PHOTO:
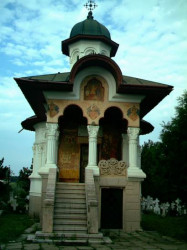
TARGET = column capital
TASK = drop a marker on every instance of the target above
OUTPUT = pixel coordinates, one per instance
(52, 129)
(133, 133)
(93, 130)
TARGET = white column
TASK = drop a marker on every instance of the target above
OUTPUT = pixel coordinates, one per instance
(37, 155)
(133, 170)
(38, 148)
(139, 153)
(35, 178)
(52, 148)
(52, 137)
(92, 153)
(125, 148)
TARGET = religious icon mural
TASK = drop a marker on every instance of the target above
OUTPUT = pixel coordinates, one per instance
(94, 90)
(93, 112)
(53, 109)
(133, 113)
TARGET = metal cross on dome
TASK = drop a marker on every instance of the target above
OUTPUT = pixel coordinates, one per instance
(91, 5)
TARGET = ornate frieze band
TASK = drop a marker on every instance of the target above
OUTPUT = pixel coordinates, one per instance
(112, 167)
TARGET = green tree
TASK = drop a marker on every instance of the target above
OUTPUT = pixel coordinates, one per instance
(23, 179)
(165, 162)
(21, 187)
(174, 140)
(4, 172)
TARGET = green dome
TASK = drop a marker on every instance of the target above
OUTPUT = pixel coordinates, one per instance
(89, 27)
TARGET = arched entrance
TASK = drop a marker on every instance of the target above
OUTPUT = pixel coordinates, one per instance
(112, 126)
(73, 141)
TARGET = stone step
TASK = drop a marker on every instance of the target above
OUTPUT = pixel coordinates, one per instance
(70, 205)
(70, 191)
(70, 201)
(59, 211)
(70, 228)
(70, 222)
(75, 241)
(69, 235)
(70, 216)
(70, 186)
(73, 237)
(70, 196)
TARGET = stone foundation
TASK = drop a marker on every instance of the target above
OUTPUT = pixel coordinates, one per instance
(35, 206)
(131, 206)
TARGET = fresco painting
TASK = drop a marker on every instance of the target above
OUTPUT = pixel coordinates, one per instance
(68, 157)
(93, 112)
(94, 90)
(53, 109)
(133, 113)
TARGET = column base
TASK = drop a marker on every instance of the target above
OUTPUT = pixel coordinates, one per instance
(34, 176)
(45, 170)
(95, 170)
(136, 173)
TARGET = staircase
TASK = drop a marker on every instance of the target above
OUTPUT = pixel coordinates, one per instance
(70, 214)
(70, 218)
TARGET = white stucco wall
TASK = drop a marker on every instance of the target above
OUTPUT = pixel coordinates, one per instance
(75, 95)
(85, 47)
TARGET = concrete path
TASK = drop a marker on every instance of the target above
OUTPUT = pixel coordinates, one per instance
(121, 240)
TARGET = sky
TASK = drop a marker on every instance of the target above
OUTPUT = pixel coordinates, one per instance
(152, 42)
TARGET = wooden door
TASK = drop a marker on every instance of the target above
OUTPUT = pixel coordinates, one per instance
(69, 157)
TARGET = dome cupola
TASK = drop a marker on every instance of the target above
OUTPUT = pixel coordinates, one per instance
(88, 37)
(90, 27)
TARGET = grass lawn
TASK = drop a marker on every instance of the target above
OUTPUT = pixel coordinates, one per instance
(12, 225)
(175, 227)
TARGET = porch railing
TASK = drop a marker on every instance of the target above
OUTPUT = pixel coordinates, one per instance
(48, 206)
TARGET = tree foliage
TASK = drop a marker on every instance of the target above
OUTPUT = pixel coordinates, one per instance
(23, 178)
(5, 174)
(165, 162)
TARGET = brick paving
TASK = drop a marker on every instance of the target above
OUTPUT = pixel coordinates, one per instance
(120, 241)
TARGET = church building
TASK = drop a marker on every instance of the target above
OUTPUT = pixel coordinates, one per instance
(87, 122)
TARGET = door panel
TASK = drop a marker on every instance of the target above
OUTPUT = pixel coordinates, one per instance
(111, 208)
(69, 157)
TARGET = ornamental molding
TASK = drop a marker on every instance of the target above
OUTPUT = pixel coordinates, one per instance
(38, 148)
(112, 167)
